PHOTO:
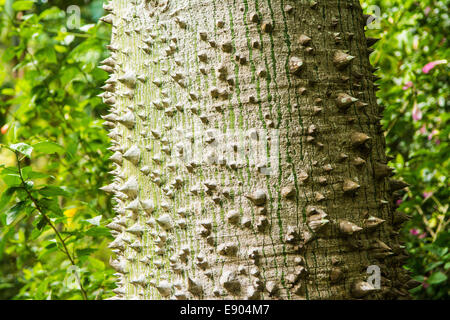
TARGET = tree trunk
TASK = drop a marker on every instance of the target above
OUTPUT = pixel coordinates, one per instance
(250, 159)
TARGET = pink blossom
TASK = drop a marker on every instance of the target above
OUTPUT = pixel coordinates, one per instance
(414, 232)
(427, 194)
(407, 85)
(423, 129)
(399, 202)
(430, 136)
(438, 142)
(425, 285)
(430, 65)
(427, 11)
(422, 235)
(416, 113)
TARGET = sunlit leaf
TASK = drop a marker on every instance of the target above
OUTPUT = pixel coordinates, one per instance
(48, 147)
(23, 148)
(95, 221)
(22, 5)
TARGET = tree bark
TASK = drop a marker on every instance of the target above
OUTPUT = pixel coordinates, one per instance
(250, 162)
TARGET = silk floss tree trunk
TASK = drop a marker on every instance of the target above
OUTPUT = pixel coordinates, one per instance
(249, 158)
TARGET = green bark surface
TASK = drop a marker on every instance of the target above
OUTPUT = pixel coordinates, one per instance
(287, 194)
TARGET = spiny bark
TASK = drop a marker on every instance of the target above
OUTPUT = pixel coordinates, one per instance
(293, 74)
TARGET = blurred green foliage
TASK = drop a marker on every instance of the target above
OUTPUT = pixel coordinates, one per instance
(54, 153)
(414, 89)
(49, 114)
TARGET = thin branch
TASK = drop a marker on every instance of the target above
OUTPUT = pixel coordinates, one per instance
(50, 223)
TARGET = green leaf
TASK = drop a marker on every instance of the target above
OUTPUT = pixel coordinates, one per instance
(419, 278)
(12, 179)
(84, 252)
(6, 197)
(28, 173)
(50, 205)
(8, 92)
(22, 5)
(437, 278)
(416, 289)
(50, 245)
(46, 55)
(47, 251)
(35, 234)
(14, 211)
(38, 175)
(23, 148)
(98, 232)
(49, 191)
(41, 224)
(9, 54)
(433, 265)
(48, 147)
(52, 13)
